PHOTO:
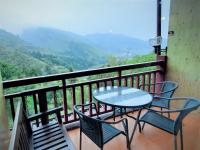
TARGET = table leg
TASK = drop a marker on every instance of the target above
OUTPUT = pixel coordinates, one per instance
(136, 122)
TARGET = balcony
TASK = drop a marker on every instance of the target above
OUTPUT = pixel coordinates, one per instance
(76, 88)
(68, 91)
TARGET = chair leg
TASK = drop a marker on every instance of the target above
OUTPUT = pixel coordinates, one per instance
(168, 112)
(181, 136)
(80, 145)
(143, 126)
(114, 113)
(175, 143)
(140, 129)
(161, 110)
(168, 115)
(135, 125)
(127, 142)
(127, 135)
(121, 112)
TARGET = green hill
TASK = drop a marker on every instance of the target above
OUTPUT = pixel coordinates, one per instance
(72, 49)
(17, 61)
(19, 58)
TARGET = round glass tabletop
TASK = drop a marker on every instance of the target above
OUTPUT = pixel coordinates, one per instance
(122, 96)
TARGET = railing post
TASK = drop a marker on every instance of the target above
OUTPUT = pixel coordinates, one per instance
(159, 7)
(55, 99)
(154, 81)
(143, 81)
(24, 102)
(12, 107)
(74, 100)
(82, 98)
(65, 100)
(161, 76)
(98, 105)
(137, 81)
(90, 98)
(119, 77)
(35, 107)
(132, 81)
(149, 82)
(43, 106)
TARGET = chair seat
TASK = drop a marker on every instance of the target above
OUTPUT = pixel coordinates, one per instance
(160, 103)
(50, 137)
(158, 121)
(109, 132)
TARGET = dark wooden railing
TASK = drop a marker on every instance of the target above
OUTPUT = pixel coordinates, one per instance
(67, 91)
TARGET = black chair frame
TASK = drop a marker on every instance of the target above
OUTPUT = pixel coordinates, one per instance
(152, 117)
(94, 127)
(157, 97)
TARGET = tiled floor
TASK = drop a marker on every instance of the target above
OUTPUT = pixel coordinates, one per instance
(151, 138)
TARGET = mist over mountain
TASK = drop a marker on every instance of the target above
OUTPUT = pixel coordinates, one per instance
(59, 42)
(118, 44)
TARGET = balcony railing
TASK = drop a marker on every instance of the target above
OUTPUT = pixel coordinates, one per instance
(76, 88)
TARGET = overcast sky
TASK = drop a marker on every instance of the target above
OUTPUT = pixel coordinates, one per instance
(136, 18)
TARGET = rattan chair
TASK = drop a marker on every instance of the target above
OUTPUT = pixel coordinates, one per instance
(154, 118)
(161, 89)
(98, 130)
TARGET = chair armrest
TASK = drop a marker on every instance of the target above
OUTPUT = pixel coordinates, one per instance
(86, 107)
(158, 98)
(165, 111)
(48, 112)
(167, 91)
(174, 98)
(150, 84)
(174, 110)
(114, 122)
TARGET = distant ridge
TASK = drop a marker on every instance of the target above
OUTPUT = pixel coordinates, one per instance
(71, 48)
(59, 41)
(119, 44)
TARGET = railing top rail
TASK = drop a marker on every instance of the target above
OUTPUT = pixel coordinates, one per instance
(56, 77)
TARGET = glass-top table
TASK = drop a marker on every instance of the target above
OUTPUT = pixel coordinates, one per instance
(123, 97)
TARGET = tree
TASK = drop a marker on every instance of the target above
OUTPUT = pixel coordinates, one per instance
(8, 71)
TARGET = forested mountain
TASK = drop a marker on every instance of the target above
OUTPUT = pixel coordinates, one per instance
(42, 51)
(72, 49)
(59, 42)
(19, 58)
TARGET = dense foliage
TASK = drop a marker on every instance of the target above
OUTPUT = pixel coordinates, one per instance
(23, 59)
